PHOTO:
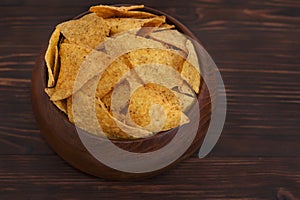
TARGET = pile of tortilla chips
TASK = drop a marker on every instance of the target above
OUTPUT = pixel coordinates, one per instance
(122, 73)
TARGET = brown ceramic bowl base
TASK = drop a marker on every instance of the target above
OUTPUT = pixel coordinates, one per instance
(63, 137)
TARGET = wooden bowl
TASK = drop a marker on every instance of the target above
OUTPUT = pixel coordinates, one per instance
(63, 137)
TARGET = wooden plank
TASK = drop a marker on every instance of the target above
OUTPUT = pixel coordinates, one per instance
(39, 177)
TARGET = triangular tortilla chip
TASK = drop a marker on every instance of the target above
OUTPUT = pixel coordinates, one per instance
(141, 107)
(185, 101)
(118, 25)
(165, 26)
(121, 95)
(124, 43)
(75, 59)
(190, 70)
(159, 74)
(51, 58)
(123, 11)
(156, 56)
(90, 30)
(112, 74)
(192, 56)
(148, 27)
(191, 75)
(171, 37)
(106, 99)
(69, 109)
(61, 105)
(90, 114)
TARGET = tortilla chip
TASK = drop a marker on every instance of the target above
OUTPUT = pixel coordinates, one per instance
(192, 56)
(107, 101)
(81, 109)
(148, 27)
(90, 30)
(114, 72)
(113, 128)
(191, 75)
(49, 91)
(141, 107)
(185, 101)
(155, 21)
(159, 74)
(121, 95)
(190, 70)
(124, 43)
(123, 11)
(171, 37)
(156, 56)
(69, 109)
(91, 115)
(107, 122)
(165, 26)
(51, 58)
(120, 98)
(61, 105)
(74, 58)
(185, 89)
(118, 25)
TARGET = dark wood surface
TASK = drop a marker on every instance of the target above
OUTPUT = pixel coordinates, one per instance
(256, 46)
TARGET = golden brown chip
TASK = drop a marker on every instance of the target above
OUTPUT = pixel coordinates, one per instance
(113, 128)
(90, 114)
(137, 14)
(121, 95)
(190, 70)
(49, 91)
(69, 109)
(171, 37)
(156, 56)
(123, 11)
(61, 105)
(146, 102)
(81, 110)
(148, 27)
(74, 59)
(120, 98)
(165, 26)
(124, 43)
(114, 72)
(185, 101)
(191, 75)
(90, 30)
(159, 74)
(118, 25)
(108, 123)
(107, 101)
(185, 89)
(192, 56)
(51, 58)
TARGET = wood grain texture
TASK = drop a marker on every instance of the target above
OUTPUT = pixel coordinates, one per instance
(211, 178)
(256, 46)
